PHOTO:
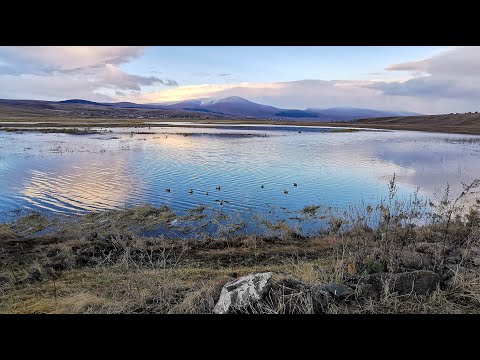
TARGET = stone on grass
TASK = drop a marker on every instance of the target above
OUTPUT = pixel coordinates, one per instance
(418, 282)
(338, 290)
(414, 260)
(242, 292)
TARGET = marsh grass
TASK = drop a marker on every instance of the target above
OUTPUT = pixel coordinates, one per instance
(71, 131)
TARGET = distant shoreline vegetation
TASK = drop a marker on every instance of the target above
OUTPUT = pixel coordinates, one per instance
(89, 131)
(74, 131)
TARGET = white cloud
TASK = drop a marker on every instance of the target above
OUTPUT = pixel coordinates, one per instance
(67, 58)
(55, 73)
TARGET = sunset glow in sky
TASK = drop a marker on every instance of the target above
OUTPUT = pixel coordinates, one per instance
(427, 80)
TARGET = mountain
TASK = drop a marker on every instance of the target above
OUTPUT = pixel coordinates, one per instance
(296, 114)
(237, 106)
(229, 107)
(81, 102)
(351, 113)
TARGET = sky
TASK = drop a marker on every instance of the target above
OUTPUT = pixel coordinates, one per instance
(424, 79)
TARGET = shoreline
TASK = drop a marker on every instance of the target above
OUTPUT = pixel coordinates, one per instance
(142, 123)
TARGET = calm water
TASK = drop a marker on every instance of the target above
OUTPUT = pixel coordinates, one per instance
(74, 174)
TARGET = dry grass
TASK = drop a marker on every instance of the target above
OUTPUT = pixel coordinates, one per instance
(118, 289)
(6, 232)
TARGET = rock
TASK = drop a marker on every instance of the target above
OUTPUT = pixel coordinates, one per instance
(414, 260)
(418, 282)
(290, 286)
(366, 291)
(243, 291)
(430, 248)
(476, 261)
(290, 296)
(294, 297)
(320, 299)
(338, 290)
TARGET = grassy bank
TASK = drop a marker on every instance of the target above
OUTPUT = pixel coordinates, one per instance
(468, 124)
(101, 262)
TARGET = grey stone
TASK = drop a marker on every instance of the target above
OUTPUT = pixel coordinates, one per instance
(290, 286)
(243, 291)
(292, 296)
(414, 260)
(418, 282)
(320, 298)
(430, 248)
(366, 291)
(338, 290)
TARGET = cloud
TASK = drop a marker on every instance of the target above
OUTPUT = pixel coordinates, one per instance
(309, 94)
(453, 74)
(36, 59)
(444, 83)
(52, 72)
(113, 76)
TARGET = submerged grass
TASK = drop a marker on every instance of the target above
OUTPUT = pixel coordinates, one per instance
(71, 131)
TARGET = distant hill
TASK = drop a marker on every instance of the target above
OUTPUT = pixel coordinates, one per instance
(79, 111)
(468, 123)
(81, 102)
(83, 109)
(230, 107)
(235, 105)
(296, 114)
(350, 113)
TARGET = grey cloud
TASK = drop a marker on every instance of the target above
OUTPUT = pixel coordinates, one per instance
(409, 66)
(422, 86)
(113, 76)
(42, 71)
(453, 74)
(457, 62)
(169, 82)
(224, 74)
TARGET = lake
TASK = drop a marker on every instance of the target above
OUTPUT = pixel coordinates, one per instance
(255, 167)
